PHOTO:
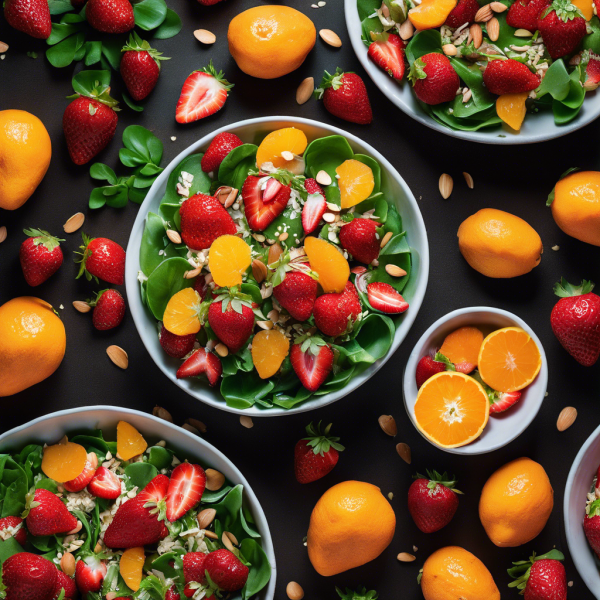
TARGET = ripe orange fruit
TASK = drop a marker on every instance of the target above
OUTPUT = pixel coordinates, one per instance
(356, 182)
(516, 503)
(509, 360)
(32, 343)
(130, 567)
(64, 461)
(182, 313)
(462, 348)
(452, 409)
(329, 263)
(430, 13)
(351, 524)
(511, 109)
(130, 442)
(453, 573)
(269, 349)
(229, 256)
(287, 139)
(270, 41)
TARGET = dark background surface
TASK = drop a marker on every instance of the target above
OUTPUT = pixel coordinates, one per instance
(516, 179)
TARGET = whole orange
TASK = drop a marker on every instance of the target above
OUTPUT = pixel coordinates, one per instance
(270, 41)
(32, 343)
(351, 524)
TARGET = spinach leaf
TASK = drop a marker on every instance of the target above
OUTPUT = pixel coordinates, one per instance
(423, 43)
(592, 40)
(154, 240)
(380, 206)
(373, 340)
(9, 548)
(473, 78)
(164, 282)
(210, 497)
(237, 164)
(286, 401)
(160, 457)
(401, 260)
(290, 221)
(170, 27)
(370, 25)
(13, 487)
(556, 82)
(244, 389)
(337, 382)
(327, 153)
(149, 14)
(140, 474)
(260, 568)
(366, 8)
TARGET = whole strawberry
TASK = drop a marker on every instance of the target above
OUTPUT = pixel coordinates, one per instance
(317, 454)
(575, 321)
(47, 514)
(432, 501)
(13, 527)
(109, 309)
(110, 16)
(464, 12)
(591, 525)
(193, 567)
(227, 573)
(562, 27)
(434, 79)
(335, 314)
(297, 294)
(525, 14)
(176, 346)
(359, 238)
(427, 367)
(40, 256)
(172, 593)
(312, 360)
(28, 576)
(218, 149)
(203, 220)
(345, 96)
(102, 259)
(64, 582)
(540, 577)
(231, 317)
(29, 16)
(509, 77)
(140, 67)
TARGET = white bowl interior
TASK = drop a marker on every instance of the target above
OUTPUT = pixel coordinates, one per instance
(508, 426)
(53, 427)
(253, 130)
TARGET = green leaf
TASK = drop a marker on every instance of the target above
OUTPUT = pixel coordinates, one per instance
(327, 153)
(164, 282)
(423, 43)
(556, 81)
(244, 389)
(62, 54)
(170, 27)
(373, 340)
(235, 167)
(592, 40)
(111, 50)
(149, 14)
(160, 457)
(131, 103)
(366, 8)
(140, 474)
(85, 81)
(103, 173)
(118, 200)
(60, 31)
(143, 144)
(9, 548)
(259, 570)
(473, 78)
(402, 260)
(154, 240)
(93, 53)
(58, 7)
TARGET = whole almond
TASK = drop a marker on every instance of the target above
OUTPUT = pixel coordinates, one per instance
(523, 33)
(81, 306)
(211, 535)
(231, 198)
(193, 273)
(3, 233)
(394, 271)
(204, 36)
(3, 47)
(118, 356)
(446, 184)
(476, 34)
(199, 425)
(294, 591)
(386, 238)
(305, 90)
(174, 236)
(469, 180)
(206, 517)
(67, 564)
(493, 29)
(450, 49)
(265, 324)
(275, 251)
(74, 223)
(498, 7)
(284, 236)
(222, 350)
(406, 557)
(246, 422)
(214, 480)
(331, 38)
(566, 418)
(406, 30)
(388, 424)
(162, 413)
(484, 14)
(404, 452)
(190, 428)
(259, 270)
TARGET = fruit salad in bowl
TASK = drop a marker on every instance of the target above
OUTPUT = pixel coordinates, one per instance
(278, 267)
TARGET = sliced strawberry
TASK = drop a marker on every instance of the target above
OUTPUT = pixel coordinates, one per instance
(105, 484)
(313, 211)
(271, 190)
(201, 362)
(258, 213)
(89, 574)
(312, 365)
(156, 490)
(504, 402)
(312, 187)
(592, 72)
(389, 55)
(13, 527)
(79, 483)
(465, 367)
(383, 297)
(186, 487)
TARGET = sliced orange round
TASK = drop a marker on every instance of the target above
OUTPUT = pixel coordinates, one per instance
(130, 442)
(288, 139)
(269, 349)
(452, 409)
(181, 315)
(229, 256)
(356, 182)
(462, 348)
(130, 567)
(64, 461)
(509, 360)
(329, 263)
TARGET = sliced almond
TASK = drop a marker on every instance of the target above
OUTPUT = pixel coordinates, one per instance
(214, 480)
(211, 535)
(259, 237)
(231, 198)
(265, 324)
(522, 33)
(287, 155)
(259, 270)
(323, 178)
(275, 251)
(498, 7)
(174, 236)
(67, 564)
(328, 217)
(222, 193)
(395, 271)
(331, 38)
(388, 424)
(222, 350)
(3, 47)
(193, 273)
(199, 425)
(229, 541)
(246, 422)
(284, 236)
(204, 36)
(162, 413)
(118, 356)
(484, 14)
(386, 238)
(206, 517)
(273, 315)
(406, 557)
(446, 184)
(450, 49)
(566, 418)
(476, 34)
(469, 180)
(406, 30)
(82, 307)
(404, 452)
(305, 90)
(74, 223)
(3, 233)
(493, 29)
(294, 591)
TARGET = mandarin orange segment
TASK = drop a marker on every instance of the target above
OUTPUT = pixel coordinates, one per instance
(452, 409)
(329, 263)
(586, 7)
(288, 139)
(356, 182)
(511, 109)
(431, 13)
(228, 257)
(130, 567)
(462, 348)
(64, 461)
(130, 442)
(509, 360)
(181, 314)
(269, 349)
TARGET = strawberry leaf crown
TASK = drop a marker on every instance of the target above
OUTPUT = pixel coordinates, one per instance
(310, 343)
(237, 299)
(43, 238)
(565, 10)
(492, 394)
(417, 71)
(85, 254)
(335, 81)
(285, 263)
(360, 594)
(594, 509)
(436, 479)
(94, 301)
(137, 44)
(322, 442)
(95, 85)
(219, 76)
(285, 177)
(439, 357)
(522, 569)
(564, 289)
(30, 503)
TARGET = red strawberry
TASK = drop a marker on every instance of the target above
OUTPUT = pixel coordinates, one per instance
(176, 346)
(463, 12)
(592, 71)
(15, 527)
(110, 16)
(201, 362)
(575, 321)
(259, 212)
(203, 220)
(345, 96)
(203, 94)
(432, 501)
(562, 27)
(28, 577)
(541, 577)
(226, 571)
(591, 526)
(297, 294)
(102, 259)
(186, 487)
(82, 481)
(525, 14)
(50, 516)
(314, 207)
(383, 297)
(434, 79)
(172, 593)
(105, 484)
(109, 309)
(427, 367)
(40, 256)
(312, 187)
(388, 53)
(193, 567)
(208, 2)
(336, 313)
(219, 148)
(64, 582)
(312, 361)
(317, 454)
(233, 326)
(504, 402)
(137, 524)
(90, 573)
(29, 16)
(359, 238)
(140, 67)
(509, 77)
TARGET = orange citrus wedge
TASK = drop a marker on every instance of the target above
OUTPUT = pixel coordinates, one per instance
(356, 182)
(462, 348)
(130, 441)
(511, 109)
(288, 139)
(64, 461)
(269, 349)
(130, 567)
(329, 263)
(229, 256)
(181, 315)
(431, 13)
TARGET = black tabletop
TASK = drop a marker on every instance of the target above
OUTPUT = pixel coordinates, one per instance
(513, 178)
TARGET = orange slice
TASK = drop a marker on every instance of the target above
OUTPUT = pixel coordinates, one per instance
(181, 315)
(452, 409)
(228, 257)
(462, 348)
(64, 461)
(509, 360)
(130, 442)
(130, 567)
(326, 260)
(356, 182)
(511, 109)
(586, 7)
(269, 349)
(288, 139)
(431, 13)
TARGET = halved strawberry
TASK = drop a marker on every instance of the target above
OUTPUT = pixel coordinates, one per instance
(427, 367)
(312, 187)
(89, 574)
(259, 213)
(387, 52)
(592, 72)
(201, 362)
(504, 402)
(271, 190)
(186, 487)
(204, 92)
(313, 210)
(105, 484)
(465, 367)
(312, 361)
(383, 297)
(80, 482)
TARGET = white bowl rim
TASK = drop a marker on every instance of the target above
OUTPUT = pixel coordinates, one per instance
(415, 356)
(132, 262)
(257, 510)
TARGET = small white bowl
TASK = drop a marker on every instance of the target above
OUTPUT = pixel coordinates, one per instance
(53, 427)
(506, 427)
(578, 485)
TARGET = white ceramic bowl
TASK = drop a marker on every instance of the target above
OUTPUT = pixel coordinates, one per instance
(536, 128)
(502, 429)
(53, 427)
(578, 485)
(249, 131)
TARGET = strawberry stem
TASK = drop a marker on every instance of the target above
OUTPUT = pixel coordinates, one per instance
(564, 289)
(43, 238)
(334, 81)
(321, 442)
(522, 569)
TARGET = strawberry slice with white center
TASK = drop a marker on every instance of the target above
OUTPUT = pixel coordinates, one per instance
(89, 574)
(105, 484)
(312, 361)
(258, 212)
(201, 362)
(312, 212)
(271, 190)
(80, 482)
(186, 487)
(388, 53)
(204, 92)
(383, 297)
(504, 402)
